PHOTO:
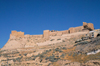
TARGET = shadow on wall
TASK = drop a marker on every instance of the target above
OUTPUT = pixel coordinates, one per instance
(98, 35)
(86, 27)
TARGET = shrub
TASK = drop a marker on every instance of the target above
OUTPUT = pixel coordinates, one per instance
(44, 52)
(19, 54)
(63, 40)
(15, 52)
(57, 49)
(64, 48)
(28, 40)
(41, 56)
(9, 64)
(38, 55)
(69, 54)
(52, 58)
(59, 39)
(3, 60)
(25, 54)
(74, 54)
(53, 51)
(51, 39)
(14, 60)
(49, 64)
(28, 58)
(81, 43)
(34, 58)
(57, 56)
(62, 55)
(49, 49)
(40, 60)
(18, 59)
(20, 37)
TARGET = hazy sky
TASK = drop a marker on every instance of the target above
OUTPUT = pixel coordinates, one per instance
(34, 16)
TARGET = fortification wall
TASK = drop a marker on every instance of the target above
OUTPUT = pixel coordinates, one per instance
(86, 26)
(19, 40)
(76, 29)
(34, 36)
(47, 33)
(15, 34)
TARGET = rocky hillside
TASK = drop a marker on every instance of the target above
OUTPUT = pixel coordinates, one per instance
(84, 53)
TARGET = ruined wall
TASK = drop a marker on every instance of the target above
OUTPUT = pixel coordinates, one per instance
(59, 33)
(19, 40)
(88, 26)
(34, 36)
(15, 34)
(53, 33)
(65, 32)
(76, 29)
(47, 33)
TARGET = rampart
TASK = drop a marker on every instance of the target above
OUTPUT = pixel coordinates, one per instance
(15, 34)
(19, 40)
(48, 33)
(86, 26)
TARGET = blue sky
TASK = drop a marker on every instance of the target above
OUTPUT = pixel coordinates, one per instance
(34, 16)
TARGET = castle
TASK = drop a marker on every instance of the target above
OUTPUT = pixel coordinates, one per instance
(19, 40)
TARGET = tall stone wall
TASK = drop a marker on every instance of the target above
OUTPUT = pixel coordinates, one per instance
(47, 33)
(76, 29)
(15, 34)
(53, 33)
(19, 40)
(86, 26)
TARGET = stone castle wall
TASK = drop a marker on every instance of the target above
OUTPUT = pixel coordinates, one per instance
(19, 40)
(15, 34)
(86, 26)
(48, 33)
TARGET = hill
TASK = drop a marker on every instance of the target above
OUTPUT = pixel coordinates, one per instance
(77, 46)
